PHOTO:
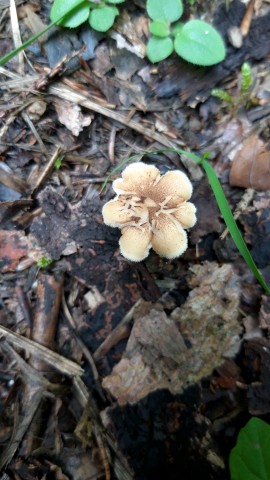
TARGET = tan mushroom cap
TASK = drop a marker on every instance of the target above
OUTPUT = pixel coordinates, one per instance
(152, 211)
(135, 243)
(175, 184)
(186, 214)
(137, 179)
(169, 239)
(116, 215)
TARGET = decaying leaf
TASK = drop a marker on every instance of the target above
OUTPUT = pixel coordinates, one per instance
(71, 116)
(173, 352)
(251, 166)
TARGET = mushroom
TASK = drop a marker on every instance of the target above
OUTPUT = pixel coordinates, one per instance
(152, 211)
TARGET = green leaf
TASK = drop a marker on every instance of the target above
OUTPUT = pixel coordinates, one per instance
(159, 48)
(199, 43)
(250, 459)
(177, 29)
(115, 1)
(102, 19)
(164, 10)
(77, 16)
(160, 29)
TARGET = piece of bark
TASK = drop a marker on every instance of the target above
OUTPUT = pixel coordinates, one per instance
(175, 352)
(49, 294)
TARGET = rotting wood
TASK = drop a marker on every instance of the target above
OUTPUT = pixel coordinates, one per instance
(118, 333)
(49, 293)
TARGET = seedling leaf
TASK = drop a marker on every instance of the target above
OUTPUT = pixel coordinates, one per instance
(177, 28)
(159, 48)
(44, 262)
(222, 95)
(77, 16)
(246, 77)
(115, 1)
(199, 43)
(164, 10)
(160, 29)
(102, 19)
(249, 459)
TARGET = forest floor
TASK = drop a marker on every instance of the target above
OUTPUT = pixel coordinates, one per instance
(109, 368)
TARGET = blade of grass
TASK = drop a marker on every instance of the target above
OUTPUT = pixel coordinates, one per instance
(26, 44)
(220, 199)
(231, 223)
(13, 53)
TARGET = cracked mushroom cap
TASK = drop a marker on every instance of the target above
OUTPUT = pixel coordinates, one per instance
(152, 211)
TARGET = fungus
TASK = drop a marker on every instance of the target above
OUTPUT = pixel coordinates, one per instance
(152, 211)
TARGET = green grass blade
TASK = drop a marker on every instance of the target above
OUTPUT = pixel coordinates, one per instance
(31, 40)
(26, 44)
(231, 223)
(220, 199)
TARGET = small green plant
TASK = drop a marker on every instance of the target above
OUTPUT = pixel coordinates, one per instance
(44, 262)
(58, 162)
(243, 96)
(101, 15)
(195, 41)
(250, 459)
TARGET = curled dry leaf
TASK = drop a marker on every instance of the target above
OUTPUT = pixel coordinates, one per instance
(71, 116)
(251, 166)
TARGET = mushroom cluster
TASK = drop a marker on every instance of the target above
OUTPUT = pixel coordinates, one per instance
(152, 211)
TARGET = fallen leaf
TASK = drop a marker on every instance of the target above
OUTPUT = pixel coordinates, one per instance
(71, 116)
(251, 166)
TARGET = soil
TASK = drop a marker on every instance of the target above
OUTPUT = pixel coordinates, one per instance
(111, 368)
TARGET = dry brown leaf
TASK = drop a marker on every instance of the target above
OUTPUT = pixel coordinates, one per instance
(71, 116)
(251, 166)
(174, 352)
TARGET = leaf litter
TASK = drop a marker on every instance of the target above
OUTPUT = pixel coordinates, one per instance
(175, 353)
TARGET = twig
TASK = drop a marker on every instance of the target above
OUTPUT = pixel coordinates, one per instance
(62, 364)
(85, 350)
(47, 171)
(119, 332)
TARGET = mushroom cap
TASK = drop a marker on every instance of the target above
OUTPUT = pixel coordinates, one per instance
(185, 214)
(135, 243)
(137, 178)
(115, 213)
(174, 184)
(152, 211)
(169, 239)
